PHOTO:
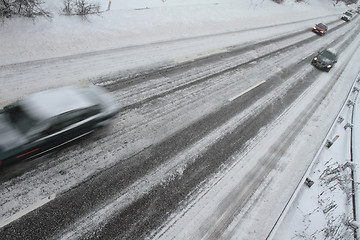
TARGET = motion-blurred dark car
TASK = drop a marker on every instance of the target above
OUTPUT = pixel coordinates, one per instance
(325, 60)
(347, 16)
(46, 120)
(320, 29)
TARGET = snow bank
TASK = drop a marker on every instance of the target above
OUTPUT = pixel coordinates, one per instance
(139, 22)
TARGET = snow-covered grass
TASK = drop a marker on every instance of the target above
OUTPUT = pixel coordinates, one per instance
(125, 25)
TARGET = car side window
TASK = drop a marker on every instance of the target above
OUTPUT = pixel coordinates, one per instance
(67, 119)
(19, 119)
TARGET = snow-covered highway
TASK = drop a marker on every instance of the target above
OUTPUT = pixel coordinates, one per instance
(210, 143)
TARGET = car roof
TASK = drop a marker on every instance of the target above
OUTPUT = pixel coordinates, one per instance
(50, 103)
(329, 53)
(331, 50)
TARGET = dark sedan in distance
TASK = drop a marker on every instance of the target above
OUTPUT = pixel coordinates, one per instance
(347, 16)
(46, 120)
(320, 29)
(325, 60)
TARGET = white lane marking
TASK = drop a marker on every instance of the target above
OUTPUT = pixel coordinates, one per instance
(247, 90)
(27, 210)
(200, 55)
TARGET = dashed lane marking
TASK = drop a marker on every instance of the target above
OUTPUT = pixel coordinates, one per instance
(27, 210)
(247, 90)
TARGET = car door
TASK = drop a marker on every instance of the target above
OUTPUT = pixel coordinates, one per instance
(67, 127)
(58, 131)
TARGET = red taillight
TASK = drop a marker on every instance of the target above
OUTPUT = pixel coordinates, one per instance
(27, 153)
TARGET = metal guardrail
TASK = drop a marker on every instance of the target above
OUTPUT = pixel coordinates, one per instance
(355, 159)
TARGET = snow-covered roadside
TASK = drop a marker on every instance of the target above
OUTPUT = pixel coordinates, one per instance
(123, 26)
(323, 208)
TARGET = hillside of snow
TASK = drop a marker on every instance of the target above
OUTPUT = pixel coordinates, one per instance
(137, 22)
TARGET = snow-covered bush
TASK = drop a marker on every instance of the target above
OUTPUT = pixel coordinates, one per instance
(26, 8)
(80, 7)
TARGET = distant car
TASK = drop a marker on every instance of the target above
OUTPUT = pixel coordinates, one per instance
(347, 16)
(325, 60)
(320, 29)
(46, 120)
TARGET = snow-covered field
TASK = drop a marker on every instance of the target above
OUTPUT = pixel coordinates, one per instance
(131, 23)
(137, 30)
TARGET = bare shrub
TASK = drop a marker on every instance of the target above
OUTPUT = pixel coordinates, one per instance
(80, 7)
(68, 7)
(26, 8)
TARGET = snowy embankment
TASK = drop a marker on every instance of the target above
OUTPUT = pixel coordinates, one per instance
(323, 205)
(143, 22)
(326, 203)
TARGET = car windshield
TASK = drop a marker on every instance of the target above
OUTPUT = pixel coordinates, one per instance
(19, 119)
(329, 55)
(348, 14)
(322, 26)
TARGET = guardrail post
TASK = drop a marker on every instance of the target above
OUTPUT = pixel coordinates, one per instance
(329, 143)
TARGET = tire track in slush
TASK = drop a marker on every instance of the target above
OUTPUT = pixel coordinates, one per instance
(138, 104)
(177, 187)
(194, 173)
(163, 199)
(86, 198)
